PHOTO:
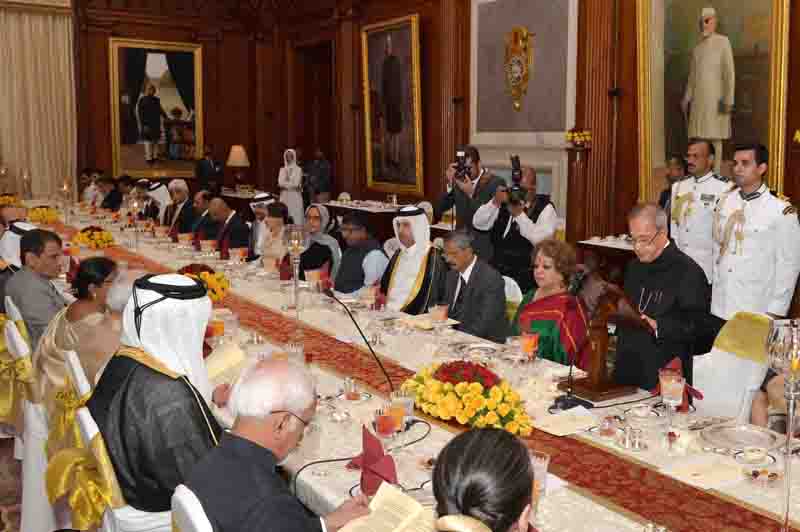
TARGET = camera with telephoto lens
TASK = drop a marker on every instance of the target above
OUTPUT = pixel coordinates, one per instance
(517, 195)
(516, 169)
(462, 170)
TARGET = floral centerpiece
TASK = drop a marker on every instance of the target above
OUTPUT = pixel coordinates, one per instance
(471, 394)
(93, 237)
(216, 283)
(43, 215)
(9, 199)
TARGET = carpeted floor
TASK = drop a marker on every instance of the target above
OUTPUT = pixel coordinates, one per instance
(10, 487)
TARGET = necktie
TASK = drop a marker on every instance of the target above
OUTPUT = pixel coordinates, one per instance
(455, 309)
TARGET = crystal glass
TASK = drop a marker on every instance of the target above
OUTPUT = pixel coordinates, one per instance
(295, 238)
(529, 342)
(350, 389)
(385, 426)
(540, 462)
(672, 386)
(783, 349)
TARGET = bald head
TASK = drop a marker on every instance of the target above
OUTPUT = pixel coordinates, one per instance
(219, 210)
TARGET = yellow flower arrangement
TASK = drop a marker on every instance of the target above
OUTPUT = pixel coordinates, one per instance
(579, 136)
(477, 398)
(93, 238)
(8, 199)
(216, 284)
(43, 215)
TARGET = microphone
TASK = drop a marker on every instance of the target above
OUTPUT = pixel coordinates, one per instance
(569, 401)
(328, 292)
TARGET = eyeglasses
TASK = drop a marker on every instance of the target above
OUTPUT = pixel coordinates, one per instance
(303, 421)
(643, 243)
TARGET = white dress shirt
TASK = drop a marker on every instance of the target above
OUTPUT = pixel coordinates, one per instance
(545, 227)
(405, 274)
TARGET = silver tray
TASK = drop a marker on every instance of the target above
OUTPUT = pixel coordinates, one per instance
(738, 437)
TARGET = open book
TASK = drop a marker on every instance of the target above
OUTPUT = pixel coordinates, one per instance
(393, 511)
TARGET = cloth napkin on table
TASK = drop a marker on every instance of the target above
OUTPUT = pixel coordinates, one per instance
(375, 465)
(677, 365)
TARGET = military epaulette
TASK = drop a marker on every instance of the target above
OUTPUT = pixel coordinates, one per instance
(791, 209)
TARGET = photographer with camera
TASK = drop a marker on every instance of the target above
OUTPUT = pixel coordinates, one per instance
(517, 219)
(470, 185)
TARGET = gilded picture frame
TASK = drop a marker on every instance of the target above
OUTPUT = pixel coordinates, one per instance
(650, 16)
(185, 136)
(390, 53)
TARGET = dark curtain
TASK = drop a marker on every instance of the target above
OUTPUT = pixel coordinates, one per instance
(136, 63)
(181, 66)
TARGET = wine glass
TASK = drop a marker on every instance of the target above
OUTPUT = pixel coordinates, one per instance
(295, 239)
(672, 386)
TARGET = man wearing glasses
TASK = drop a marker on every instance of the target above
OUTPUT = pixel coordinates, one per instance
(671, 295)
(238, 483)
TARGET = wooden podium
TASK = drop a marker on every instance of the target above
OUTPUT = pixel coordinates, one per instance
(606, 303)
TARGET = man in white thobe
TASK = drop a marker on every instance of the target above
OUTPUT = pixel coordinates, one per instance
(693, 202)
(711, 85)
(757, 243)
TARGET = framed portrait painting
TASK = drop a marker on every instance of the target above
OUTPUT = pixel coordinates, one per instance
(711, 70)
(156, 107)
(392, 121)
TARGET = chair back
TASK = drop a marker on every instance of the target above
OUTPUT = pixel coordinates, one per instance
(15, 342)
(391, 246)
(734, 368)
(344, 196)
(187, 512)
(513, 297)
(12, 311)
(79, 380)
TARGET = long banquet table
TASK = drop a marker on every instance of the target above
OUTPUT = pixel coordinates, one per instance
(597, 486)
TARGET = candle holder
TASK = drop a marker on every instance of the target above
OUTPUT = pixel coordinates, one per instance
(26, 185)
(295, 240)
(783, 347)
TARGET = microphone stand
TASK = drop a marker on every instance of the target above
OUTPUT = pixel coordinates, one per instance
(328, 292)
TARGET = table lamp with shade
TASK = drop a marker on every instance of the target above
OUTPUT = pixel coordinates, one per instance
(237, 158)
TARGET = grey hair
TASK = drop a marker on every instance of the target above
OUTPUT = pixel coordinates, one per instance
(178, 184)
(652, 212)
(121, 289)
(460, 238)
(279, 385)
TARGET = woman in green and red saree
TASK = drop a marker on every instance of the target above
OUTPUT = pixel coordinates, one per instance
(551, 311)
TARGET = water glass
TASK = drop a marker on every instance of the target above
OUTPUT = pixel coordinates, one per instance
(350, 389)
(385, 426)
(540, 462)
(672, 385)
(530, 344)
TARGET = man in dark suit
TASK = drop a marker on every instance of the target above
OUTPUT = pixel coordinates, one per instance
(467, 193)
(474, 291)
(233, 233)
(205, 228)
(180, 214)
(237, 482)
(208, 171)
(112, 197)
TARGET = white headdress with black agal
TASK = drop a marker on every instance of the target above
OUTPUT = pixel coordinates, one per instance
(262, 200)
(9, 243)
(420, 226)
(166, 316)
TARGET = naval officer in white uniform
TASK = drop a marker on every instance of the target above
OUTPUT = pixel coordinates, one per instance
(757, 243)
(692, 206)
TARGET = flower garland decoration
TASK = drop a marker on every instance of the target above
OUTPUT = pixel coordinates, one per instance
(43, 215)
(579, 137)
(216, 283)
(93, 237)
(471, 394)
(8, 199)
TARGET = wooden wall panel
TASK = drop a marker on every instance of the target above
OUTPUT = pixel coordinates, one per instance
(792, 172)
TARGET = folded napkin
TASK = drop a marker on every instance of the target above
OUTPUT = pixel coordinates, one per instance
(677, 365)
(375, 465)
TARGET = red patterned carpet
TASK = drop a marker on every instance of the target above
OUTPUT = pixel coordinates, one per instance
(10, 487)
